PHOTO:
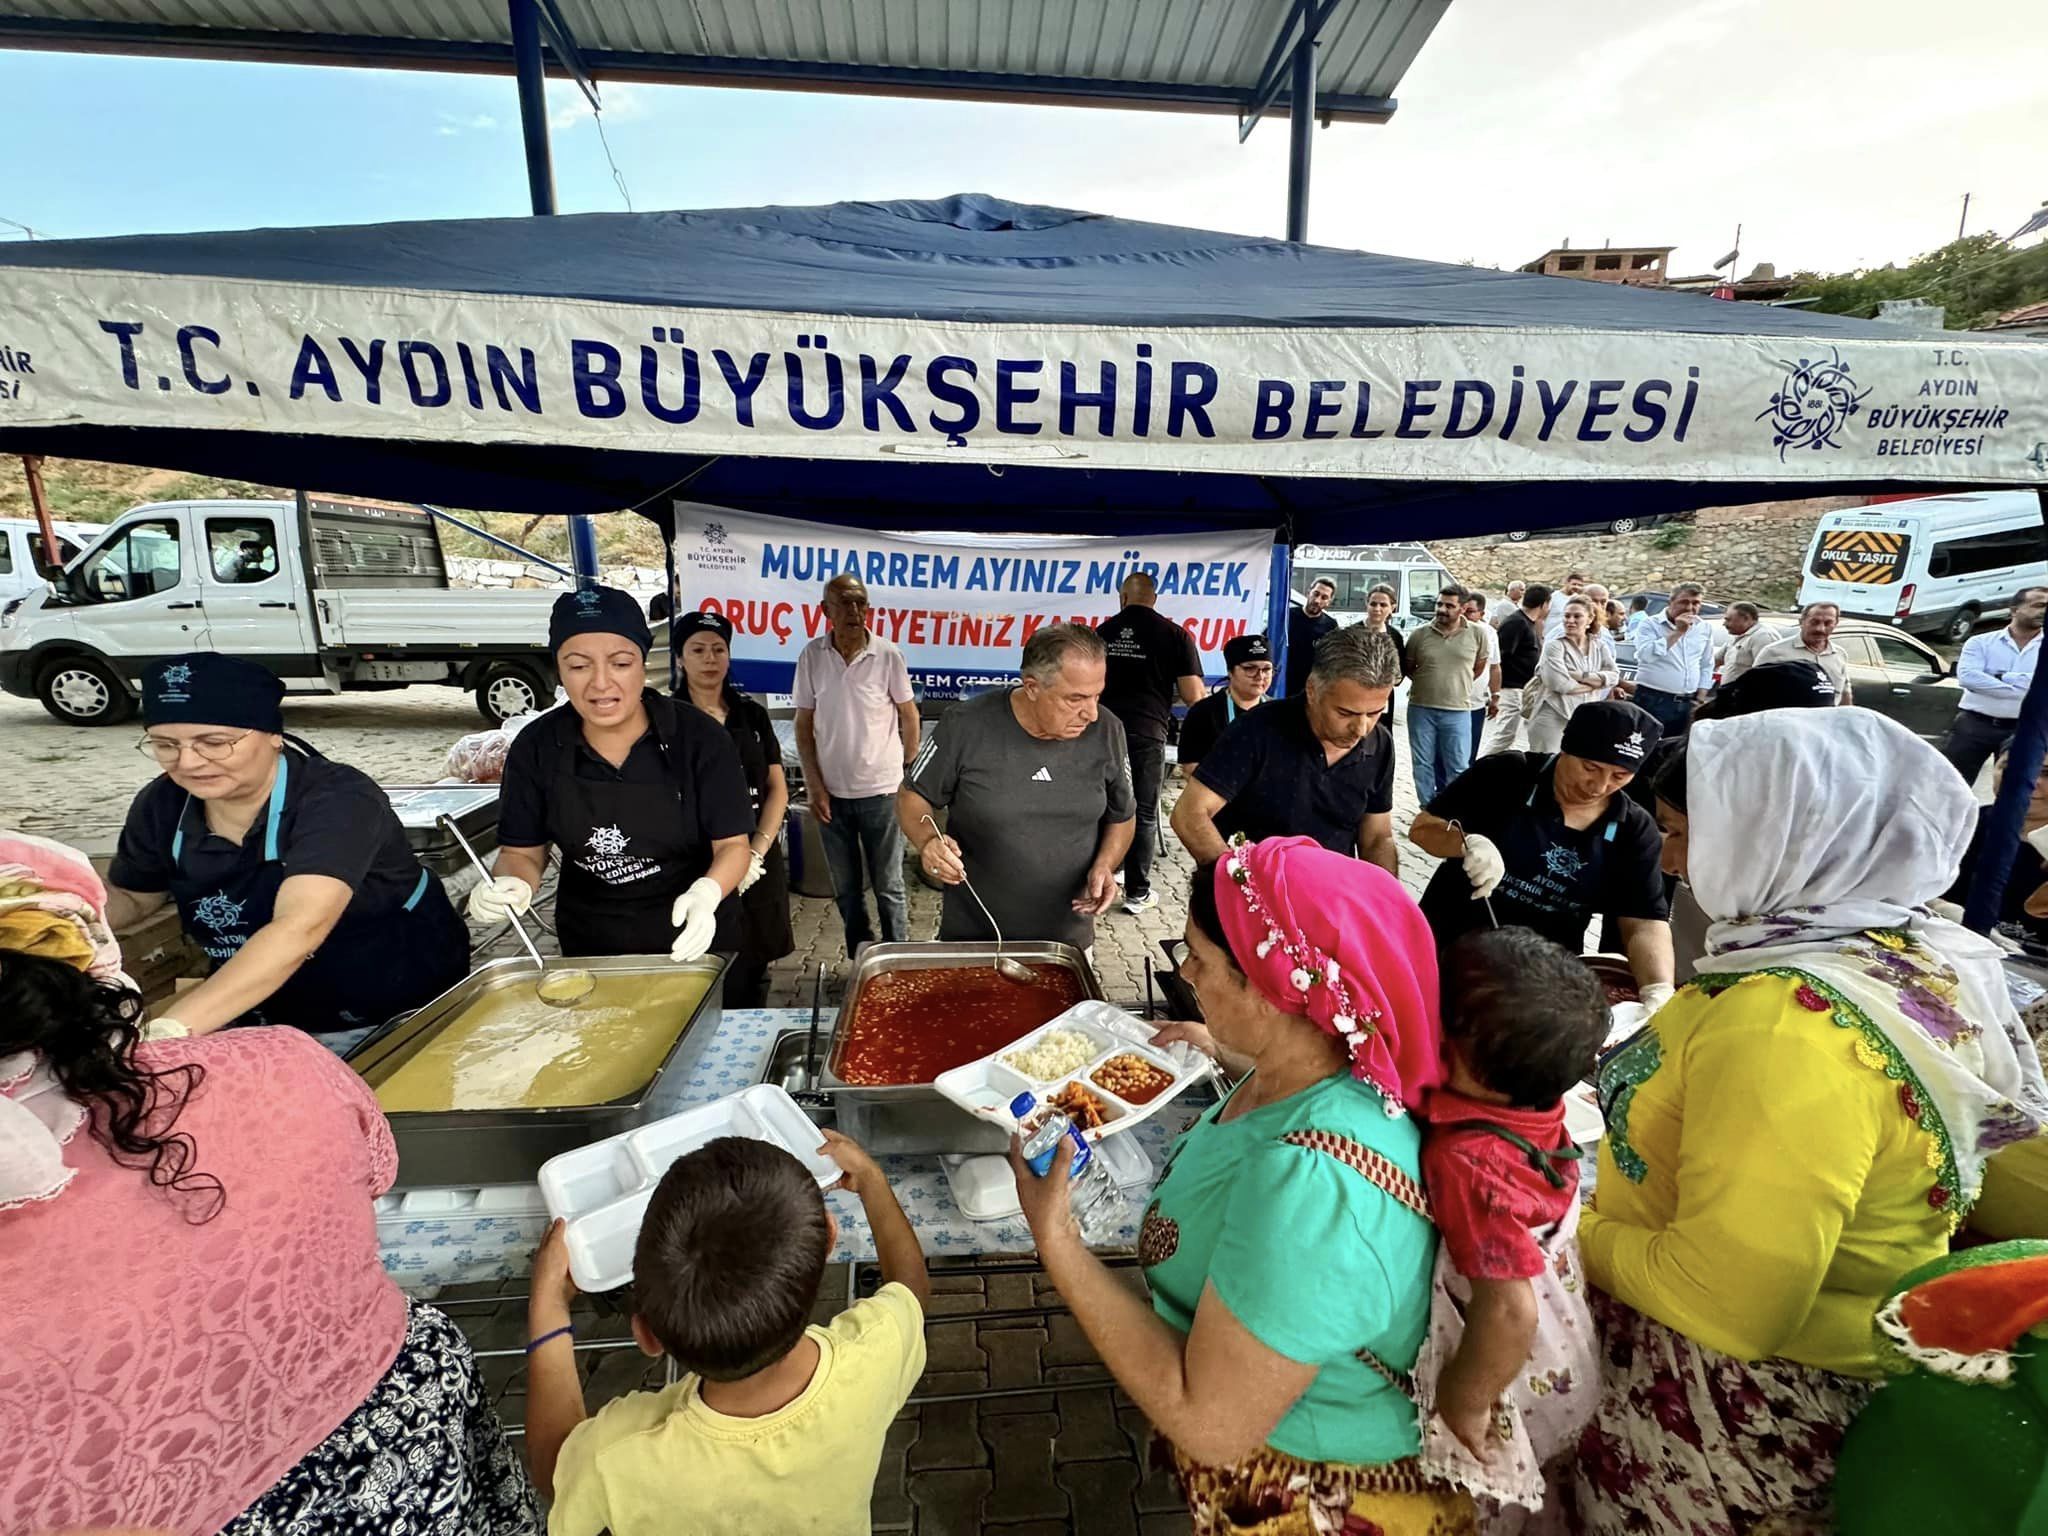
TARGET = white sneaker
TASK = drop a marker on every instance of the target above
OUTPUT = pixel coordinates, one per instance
(1144, 903)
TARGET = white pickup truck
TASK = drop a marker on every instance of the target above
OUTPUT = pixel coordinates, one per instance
(329, 593)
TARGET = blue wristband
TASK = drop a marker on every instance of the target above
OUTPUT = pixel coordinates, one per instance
(536, 1344)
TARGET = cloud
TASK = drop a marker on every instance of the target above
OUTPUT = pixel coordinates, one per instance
(622, 103)
(453, 125)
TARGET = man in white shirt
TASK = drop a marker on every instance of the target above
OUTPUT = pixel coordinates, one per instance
(1512, 603)
(1486, 684)
(1574, 585)
(1675, 661)
(1638, 626)
(1748, 636)
(1995, 670)
(1814, 642)
(856, 727)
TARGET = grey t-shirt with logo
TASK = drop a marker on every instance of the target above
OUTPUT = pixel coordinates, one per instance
(1028, 815)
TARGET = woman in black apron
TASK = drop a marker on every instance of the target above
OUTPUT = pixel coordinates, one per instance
(645, 800)
(291, 872)
(703, 647)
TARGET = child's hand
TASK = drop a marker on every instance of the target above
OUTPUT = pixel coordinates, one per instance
(553, 1291)
(860, 1172)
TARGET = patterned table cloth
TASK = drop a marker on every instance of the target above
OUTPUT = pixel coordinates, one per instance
(436, 1237)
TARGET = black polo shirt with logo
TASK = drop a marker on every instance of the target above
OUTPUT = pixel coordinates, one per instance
(1275, 780)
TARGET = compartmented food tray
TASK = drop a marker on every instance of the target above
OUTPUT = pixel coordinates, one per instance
(419, 807)
(471, 1147)
(602, 1190)
(1095, 1062)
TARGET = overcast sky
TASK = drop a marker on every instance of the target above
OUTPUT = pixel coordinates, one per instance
(1837, 132)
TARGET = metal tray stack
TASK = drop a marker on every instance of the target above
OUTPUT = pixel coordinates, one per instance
(471, 1147)
(473, 807)
(915, 1117)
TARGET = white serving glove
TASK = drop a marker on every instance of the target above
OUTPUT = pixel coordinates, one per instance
(757, 866)
(500, 898)
(1484, 866)
(1655, 996)
(695, 915)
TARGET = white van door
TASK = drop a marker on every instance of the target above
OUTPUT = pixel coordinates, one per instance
(17, 574)
(252, 607)
(1974, 572)
(141, 592)
(1862, 561)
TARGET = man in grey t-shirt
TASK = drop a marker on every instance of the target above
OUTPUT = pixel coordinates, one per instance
(1039, 791)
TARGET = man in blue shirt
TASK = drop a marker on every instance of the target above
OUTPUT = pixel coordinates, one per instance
(1995, 671)
(1675, 660)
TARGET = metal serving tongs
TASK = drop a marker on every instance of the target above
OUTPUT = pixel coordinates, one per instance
(1008, 969)
(561, 988)
(1455, 827)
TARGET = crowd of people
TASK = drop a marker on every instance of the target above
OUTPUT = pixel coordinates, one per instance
(1378, 1296)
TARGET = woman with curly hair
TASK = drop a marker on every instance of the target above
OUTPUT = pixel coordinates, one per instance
(195, 1332)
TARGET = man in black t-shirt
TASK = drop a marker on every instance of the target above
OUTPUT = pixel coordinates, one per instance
(1307, 623)
(1250, 663)
(1549, 842)
(1320, 766)
(1521, 648)
(1151, 660)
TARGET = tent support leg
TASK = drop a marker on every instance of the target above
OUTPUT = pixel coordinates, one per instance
(2000, 841)
(1301, 121)
(531, 73)
(1278, 598)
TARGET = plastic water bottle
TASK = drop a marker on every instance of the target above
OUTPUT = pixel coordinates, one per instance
(1099, 1206)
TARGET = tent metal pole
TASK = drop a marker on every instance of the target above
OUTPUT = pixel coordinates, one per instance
(1301, 122)
(1278, 598)
(1999, 841)
(531, 73)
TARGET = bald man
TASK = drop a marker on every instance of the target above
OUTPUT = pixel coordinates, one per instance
(856, 729)
(1151, 659)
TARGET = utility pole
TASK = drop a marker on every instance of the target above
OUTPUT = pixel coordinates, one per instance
(1965, 218)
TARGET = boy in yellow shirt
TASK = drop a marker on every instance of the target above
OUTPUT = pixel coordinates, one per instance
(777, 1426)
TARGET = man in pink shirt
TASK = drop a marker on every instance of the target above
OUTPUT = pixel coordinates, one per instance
(856, 727)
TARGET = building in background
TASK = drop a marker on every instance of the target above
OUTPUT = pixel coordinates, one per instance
(1638, 265)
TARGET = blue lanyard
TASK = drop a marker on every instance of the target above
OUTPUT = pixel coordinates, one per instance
(277, 789)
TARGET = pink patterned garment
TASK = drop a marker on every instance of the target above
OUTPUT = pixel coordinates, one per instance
(163, 1374)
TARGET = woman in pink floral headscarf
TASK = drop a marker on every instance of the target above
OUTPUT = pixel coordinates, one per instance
(1288, 1246)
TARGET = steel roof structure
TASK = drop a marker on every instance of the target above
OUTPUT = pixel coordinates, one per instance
(1177, 55)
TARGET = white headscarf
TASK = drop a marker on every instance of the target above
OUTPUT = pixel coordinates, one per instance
(1817, 838)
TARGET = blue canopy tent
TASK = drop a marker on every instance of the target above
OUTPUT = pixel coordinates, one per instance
(970, 363)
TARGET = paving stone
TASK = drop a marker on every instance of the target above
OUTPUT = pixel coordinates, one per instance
(1010, 1292)
(954, 1304)
(1166, 1525)
(1065, 1343)
(1014, 1356)
(1100, 1492)
(891, 1507)
(1097, 1374)
(952, 1347)
(946, 1439)
(1089, 1430)
(614, 1373)
(1035, 1528)
(949, 1503)
(1021, 1446)
(943, 1282)
(1160, 1491)
(935, 1382)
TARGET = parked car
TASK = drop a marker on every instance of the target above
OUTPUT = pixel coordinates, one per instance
(1659, 601)
(330, 594)
(1931, 565)
(1355, 569)
(1892, 673)
(1612, 525)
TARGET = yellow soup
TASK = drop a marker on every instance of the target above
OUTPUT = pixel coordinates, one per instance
(510, 1050)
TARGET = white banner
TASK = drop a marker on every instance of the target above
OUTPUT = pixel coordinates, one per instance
(1451, 403)
(959, 606)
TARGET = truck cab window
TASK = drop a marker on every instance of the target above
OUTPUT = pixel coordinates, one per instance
(141, 562)
(241, 550)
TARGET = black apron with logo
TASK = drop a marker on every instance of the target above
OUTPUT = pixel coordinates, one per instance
(1554, 874)
(764, 931)
(371, 965)
(628, 851)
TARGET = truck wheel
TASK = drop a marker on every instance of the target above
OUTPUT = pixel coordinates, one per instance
(509, 688)
(81, 690)
(1519, 536)
(1961, 627)
(1623, 525)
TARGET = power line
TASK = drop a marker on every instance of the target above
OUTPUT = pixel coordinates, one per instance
(33, 234)
(617, 175)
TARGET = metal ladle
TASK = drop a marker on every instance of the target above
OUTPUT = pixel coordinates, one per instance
(562, 988)
(1008, 969)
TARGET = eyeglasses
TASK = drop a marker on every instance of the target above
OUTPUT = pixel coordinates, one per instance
(210, 749)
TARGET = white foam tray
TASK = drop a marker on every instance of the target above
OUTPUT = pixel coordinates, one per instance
(984, 1088)
(602, 1190)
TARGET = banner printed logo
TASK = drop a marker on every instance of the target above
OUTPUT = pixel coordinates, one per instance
(1814, 403)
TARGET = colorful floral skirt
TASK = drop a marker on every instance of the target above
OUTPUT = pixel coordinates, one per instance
(422, 1455)
(1687, 1441)
(1274, 1494)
